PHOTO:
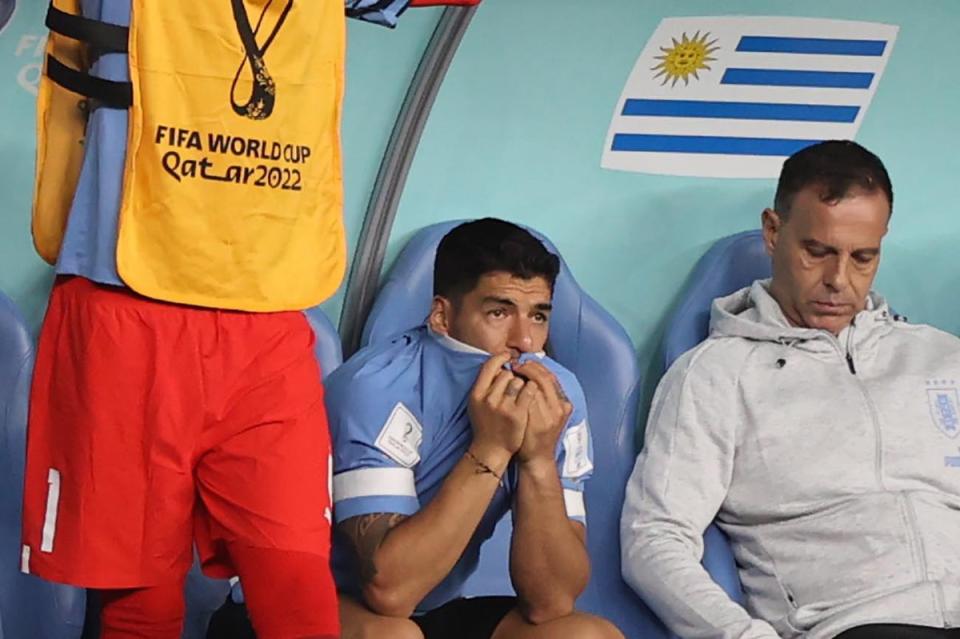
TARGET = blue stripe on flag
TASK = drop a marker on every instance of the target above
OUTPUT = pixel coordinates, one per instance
(741, 110)
(707, 144)
(790, 78)
(824, 46)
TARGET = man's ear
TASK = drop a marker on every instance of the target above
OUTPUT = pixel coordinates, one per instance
(441, 314)
(772, 223)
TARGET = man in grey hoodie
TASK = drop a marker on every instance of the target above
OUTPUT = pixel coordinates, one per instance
(818, 429)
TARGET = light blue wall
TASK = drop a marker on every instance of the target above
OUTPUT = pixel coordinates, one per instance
(519, 126)
(380, 63)
(23, 275)
(518, 129)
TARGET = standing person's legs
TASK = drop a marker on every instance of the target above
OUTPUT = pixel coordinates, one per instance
(143, 613)
(264, 478)
(109, 491)
(288, 594)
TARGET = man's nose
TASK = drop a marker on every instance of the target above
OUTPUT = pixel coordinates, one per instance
(520, 336)
(836, 272)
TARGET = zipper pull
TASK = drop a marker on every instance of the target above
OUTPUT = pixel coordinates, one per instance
(849, 349)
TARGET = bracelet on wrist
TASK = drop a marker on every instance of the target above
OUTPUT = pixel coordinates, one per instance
(480, 468)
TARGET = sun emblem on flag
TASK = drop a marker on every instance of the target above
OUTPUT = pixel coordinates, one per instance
(685, 58)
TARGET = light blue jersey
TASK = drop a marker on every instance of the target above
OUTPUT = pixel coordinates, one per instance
(90, 243)
(398, 421)
(382, 12)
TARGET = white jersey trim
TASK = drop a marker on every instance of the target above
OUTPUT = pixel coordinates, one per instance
(456, 345)
(50, 519)
(576, 447)
(573, 502)
(373, 482)
(461, 347)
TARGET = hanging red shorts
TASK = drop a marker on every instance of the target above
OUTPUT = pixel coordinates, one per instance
(154, 425)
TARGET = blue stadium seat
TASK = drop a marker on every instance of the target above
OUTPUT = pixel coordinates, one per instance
(29, 607)
(589, 342)
(204, 595)
(731, 264)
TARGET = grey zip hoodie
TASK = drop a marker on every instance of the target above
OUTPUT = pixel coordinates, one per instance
(831, 462)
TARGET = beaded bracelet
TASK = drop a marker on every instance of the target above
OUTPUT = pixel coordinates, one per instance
(483, 468)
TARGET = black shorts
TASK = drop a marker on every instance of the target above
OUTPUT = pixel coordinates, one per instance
(473, 618)
(898, 631)
(231, 622)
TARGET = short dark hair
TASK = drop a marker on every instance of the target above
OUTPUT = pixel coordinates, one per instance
(476, 248)
(836, 167)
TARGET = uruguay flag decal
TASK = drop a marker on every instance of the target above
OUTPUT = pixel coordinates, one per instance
(734, 96)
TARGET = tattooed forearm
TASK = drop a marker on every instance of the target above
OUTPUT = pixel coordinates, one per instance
(367, 532)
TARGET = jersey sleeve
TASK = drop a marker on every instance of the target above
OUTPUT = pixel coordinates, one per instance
(382, 12)
(575, 450)
(376, 436)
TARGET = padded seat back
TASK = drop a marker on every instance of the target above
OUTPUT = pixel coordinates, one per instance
(731, 264)
(29, 606)
(594, 346)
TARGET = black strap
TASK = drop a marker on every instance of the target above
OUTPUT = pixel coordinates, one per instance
(117, 95)
(103, 36)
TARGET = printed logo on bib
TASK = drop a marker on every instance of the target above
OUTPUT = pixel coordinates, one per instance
(178, 165)
(223, 158)
(944, 402)
(576, 451)
(401, 436)
(263, 96)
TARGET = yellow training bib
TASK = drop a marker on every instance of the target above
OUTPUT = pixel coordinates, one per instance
(232, 187)
(232, 195)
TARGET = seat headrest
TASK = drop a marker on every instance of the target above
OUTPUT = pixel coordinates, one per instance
(732, 263)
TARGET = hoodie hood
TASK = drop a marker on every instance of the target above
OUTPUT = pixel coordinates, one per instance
(752, 313)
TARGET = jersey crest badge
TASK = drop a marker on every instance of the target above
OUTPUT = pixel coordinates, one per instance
(401, 436)
(945, 409)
